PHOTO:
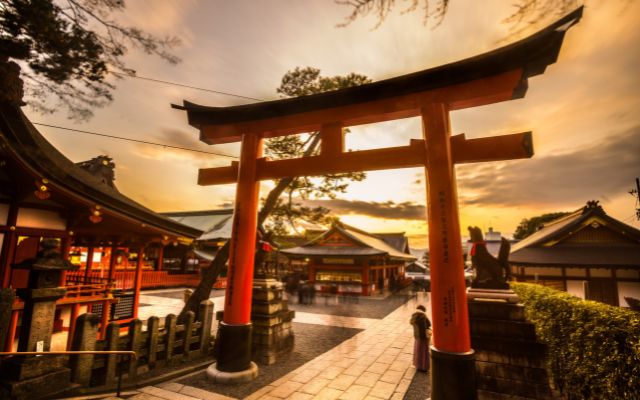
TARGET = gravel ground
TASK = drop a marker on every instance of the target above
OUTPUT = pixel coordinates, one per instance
(420, 387)
(310, 342)
(349, 306)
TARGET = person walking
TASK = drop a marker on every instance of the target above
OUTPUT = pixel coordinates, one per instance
(422, 336)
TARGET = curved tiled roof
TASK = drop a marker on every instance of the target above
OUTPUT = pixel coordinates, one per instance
(549, 246)
(24, 144)
(366, 244)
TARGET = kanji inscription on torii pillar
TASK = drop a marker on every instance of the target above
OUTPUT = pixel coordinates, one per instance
(499, 75)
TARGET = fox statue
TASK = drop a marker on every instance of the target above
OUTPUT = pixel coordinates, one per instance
(491, 272)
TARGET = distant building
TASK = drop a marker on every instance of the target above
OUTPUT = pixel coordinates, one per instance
(586, 253)
(353, 261)
(216, 228)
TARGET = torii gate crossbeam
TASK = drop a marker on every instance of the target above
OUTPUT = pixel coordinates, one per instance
(499, 75)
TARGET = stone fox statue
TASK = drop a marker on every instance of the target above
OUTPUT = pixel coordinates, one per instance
(491, 272)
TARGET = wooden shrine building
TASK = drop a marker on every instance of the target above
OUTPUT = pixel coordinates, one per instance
(116, 243)
(586, 253)
(353, 261)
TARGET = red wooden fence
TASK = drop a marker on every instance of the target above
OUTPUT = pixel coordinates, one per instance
(150, 279)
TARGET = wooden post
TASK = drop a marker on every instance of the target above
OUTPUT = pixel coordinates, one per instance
(65, 245)
(160, 259)
(104, 320)
(137, 282)
(152, 340)
(75, 310)
(234, 334)
(332, 143)
(89, 263)
(11, 332)
(453, 373)
(112, 262)
(9, 246)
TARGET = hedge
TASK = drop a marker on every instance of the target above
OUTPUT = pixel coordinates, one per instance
(593, 348)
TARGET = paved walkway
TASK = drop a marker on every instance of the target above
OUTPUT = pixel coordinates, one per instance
(374, 364)
(162, 306)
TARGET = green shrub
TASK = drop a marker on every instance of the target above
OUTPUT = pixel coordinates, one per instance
(593, 348)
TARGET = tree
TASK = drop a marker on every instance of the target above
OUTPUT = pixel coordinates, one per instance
(531, 225)
(285, 212)
(67, 48)
(526, 12)
(276, 213)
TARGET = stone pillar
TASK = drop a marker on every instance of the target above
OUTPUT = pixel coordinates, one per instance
(510, 361)
(205, 316)
(272, 330)
(84, 339)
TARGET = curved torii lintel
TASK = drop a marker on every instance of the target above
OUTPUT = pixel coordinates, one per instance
(498, 75)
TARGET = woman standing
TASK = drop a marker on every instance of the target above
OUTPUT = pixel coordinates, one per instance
(422, 335)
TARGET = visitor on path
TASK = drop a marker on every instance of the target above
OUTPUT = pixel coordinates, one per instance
(422, 336)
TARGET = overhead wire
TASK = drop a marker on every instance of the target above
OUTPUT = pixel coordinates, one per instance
(182, 85)
(148, 142)
(135, 140)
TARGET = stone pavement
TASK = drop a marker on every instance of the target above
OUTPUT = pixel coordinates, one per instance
(374, 364)
(155, 305)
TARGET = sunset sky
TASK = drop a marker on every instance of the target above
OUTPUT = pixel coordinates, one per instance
(584, 111)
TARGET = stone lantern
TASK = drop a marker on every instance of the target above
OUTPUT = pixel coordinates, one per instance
(24, 376)
(40, 295)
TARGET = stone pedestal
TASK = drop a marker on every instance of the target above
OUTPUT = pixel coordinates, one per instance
(271, 318)
(6, 302)
(509, 358)
(33, 377)
(37, 317)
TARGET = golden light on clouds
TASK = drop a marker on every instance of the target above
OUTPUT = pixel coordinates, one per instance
(582, 110)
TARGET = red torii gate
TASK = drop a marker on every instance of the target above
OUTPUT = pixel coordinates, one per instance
(492, 77)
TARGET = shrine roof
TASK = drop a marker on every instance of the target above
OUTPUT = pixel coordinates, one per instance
(587, 237)
(364, 244)
(531, 55)
(216, 224)
(22, 142)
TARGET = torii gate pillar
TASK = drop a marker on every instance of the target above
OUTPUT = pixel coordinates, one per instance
(233, 364)
(452, 359)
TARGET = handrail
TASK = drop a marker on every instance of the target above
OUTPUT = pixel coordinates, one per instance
(72, 352)
(131, 354)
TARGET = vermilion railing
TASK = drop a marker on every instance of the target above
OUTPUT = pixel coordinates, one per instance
(150, 279)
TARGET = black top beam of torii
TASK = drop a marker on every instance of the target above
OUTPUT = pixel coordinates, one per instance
(530, 55)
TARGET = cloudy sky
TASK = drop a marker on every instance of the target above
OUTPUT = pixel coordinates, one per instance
(583, 111)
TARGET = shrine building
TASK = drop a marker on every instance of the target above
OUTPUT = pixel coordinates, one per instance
(353, 261)
(586, 253)
(117, 244)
